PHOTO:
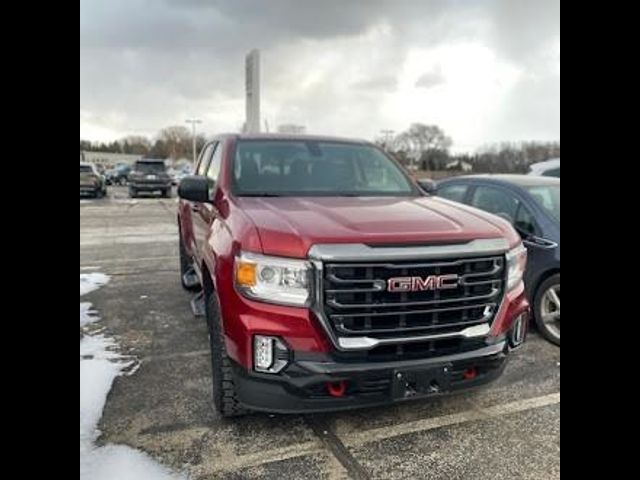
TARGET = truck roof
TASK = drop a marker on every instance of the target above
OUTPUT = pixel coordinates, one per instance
(297, 137)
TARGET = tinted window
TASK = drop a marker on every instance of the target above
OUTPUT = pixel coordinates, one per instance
(548, 197)
(204, 159)
(86, 169)
(554, 172)
(150, 167)
(294, 168)
(453, 192)
(496, 201)
(524, 221)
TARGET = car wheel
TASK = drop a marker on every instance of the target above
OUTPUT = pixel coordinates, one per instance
(225, 398)
(546, 308)
(133, 192)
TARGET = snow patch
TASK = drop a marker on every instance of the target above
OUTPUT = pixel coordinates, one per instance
(87, 315)
(100, 364)
(92, 281)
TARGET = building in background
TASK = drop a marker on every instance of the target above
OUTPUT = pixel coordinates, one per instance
(252, 100)
(108, 160)
(292, 128)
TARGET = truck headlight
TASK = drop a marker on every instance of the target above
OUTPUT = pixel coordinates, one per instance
(516, 263)
(273, 279)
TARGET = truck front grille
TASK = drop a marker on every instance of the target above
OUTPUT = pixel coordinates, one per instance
(357, 302)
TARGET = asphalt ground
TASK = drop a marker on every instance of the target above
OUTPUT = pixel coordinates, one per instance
(509, 429)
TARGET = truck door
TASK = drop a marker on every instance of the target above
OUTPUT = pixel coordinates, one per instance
(204, 213)
(188, 209)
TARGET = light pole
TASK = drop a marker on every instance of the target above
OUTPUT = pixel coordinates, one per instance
(193, 122)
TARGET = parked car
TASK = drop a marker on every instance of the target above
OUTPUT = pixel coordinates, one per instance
(550, 168)
(329, 281)
(149, 175)
(118, 175)
(532, 205)
(91, 182)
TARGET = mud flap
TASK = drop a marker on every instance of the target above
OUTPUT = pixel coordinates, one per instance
(197, 304)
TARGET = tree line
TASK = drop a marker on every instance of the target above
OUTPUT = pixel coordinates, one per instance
(425, 147)
(173, 142)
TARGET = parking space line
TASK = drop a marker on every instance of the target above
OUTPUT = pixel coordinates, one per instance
(270, 456)
(131, 260)
(383, 433)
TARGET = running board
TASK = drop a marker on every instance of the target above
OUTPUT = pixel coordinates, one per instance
(197, 305)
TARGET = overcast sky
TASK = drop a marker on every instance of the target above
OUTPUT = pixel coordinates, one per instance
(485, 71)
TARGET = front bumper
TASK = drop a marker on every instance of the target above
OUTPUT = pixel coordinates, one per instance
(89, 189)
(302, 386)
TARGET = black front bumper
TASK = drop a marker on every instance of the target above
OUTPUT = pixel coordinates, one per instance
(302, 386)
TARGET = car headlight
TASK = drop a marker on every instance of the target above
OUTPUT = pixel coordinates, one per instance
(516, 263)
(273, 279)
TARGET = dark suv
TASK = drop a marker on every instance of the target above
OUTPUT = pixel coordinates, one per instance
(149, 176)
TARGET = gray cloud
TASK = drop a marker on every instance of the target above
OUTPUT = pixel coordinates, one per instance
(385, 83)
(430, 79)
(330, 65)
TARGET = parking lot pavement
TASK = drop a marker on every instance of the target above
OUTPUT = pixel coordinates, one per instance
(510, 429)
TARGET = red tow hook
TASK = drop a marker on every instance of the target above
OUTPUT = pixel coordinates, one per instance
(470, 373)
(337, 389)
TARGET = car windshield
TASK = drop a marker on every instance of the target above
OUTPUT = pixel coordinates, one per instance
(315, 168)
(150, 167)
(548, 197)
(86, 169)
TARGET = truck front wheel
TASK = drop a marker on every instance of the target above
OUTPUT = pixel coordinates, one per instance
(225, 398)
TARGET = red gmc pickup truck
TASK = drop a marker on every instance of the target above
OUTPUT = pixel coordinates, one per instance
(329, 280)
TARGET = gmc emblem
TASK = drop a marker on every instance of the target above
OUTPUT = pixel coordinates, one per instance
(416, 284)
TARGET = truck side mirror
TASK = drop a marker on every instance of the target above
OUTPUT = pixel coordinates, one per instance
(195, 188)
(428, 186)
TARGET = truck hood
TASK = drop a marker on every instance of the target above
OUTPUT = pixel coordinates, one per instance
(290, 226)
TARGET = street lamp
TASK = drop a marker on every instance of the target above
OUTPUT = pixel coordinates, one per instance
(193, 122)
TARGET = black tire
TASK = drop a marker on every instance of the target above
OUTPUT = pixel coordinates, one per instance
(543, 328)
(225, 398)
(185, 264)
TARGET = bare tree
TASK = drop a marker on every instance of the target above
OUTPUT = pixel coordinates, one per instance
(177, 141)
(420, 138)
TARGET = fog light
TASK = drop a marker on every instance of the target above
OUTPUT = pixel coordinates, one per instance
(270, 355)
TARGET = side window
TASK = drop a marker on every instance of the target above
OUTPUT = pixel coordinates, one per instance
(496, 201)
(214, 165)
(524, 221)
(453, 192)
(554, 172)
(203, 164)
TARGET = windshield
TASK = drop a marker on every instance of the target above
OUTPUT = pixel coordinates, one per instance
(86, 169)
(150, 167)
(315, 168)
(548, 197)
